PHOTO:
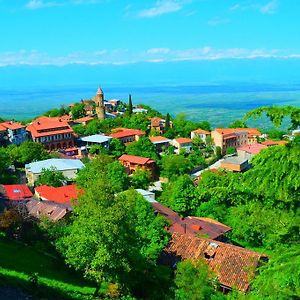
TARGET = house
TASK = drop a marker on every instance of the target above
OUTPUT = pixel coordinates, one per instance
(96, 139)
(139, 110)
(132, 163)
(69, 168)
(114, 102)
(160, 142)
(200, 133)
(15, 192)
(126, 135)
(63, 195)
(53, 211)
(15, 132)
(83, 121)
(233, 266)
(53, 133)
(269, 143)
(249, 151)
(194, 226)
(182, 144)
(234, 137)
(235, 164)
(158, 124)
(3, 136)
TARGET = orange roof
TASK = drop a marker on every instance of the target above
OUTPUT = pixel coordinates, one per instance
(250, 131)
(2, 128)
(234, 266)
(45, 126)
(155, 139)
(63, 194)
(273, 143)
(201, 131)
(84, 119)
(183, 140)
(66, 118)
(136, 159)
(12, 125)
(15, 192)
(126, 133)
(155, 121)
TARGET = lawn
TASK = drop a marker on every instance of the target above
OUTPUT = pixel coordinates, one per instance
(18, 262)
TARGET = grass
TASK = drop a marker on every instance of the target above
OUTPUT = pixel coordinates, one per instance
(18, 262)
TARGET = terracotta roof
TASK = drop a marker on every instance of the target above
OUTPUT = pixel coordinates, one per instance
(49, 209)
(234, 266)
(12, 125)
(63, 194)
(156, 121)
(253, 149)
(2, 128)
(15, 192)
(45, 126)
(65, 118)
(250, 131)
(273, 143)
(157, 139)
(201, 131)
(183, 140)
(136, 159)
(126, 133)
(84, 119)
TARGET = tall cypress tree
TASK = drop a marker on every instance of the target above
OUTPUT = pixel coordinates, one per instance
(130, 105)
(167, 126)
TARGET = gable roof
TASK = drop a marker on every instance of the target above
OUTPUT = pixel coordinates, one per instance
(158, 139)
(273, 143)
(183, 140)
(59, 164)
(252, 149)
(12, 125)
(136, 159)
(234, 266)
(17, 192)
(63, 194)
(250, 131)
(201, 131)
(126, 133)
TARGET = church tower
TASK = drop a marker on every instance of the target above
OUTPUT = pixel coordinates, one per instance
(99, 100)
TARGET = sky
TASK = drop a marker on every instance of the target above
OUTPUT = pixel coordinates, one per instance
(121, 32)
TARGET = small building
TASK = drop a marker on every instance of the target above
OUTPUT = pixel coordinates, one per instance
(158, 124)
(53, 211)
(235, 164)
(114, 102)
(200, 133)
(53, 133)
(15, 192)
(15, 132)
(63, 195)
(182, 143)
(250, 150)
(126, 135)
(132, 163)
(234, 266)
(139, 110)
(160, 142)
(83, 121)
(96, 139)
(3, 136)
(69, 168)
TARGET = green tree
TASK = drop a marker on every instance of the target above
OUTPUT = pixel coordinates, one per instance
(238, 124)
(118, 177)
(168, 120)
(179, 195)
(141, 179)
(130, 108)
(78, 111)
(275, 134)
(194, 281)
(51, 177)
(230, 150)
(174, 165)
(97, 149)
(218, 152)
(143, 147)
(116, 148)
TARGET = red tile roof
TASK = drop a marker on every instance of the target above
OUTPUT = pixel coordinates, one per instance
(234, 266)
(2, 128)
(252, 149)
(250, 131)
(12, 125)
(63, 194)
(201, 131)
(156, 139)
(127, 133)
(15, 192)
(45, 126)
(84, 119)
(183, 140)
(136, 159)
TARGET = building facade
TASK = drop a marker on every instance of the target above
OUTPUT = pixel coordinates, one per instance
(15, 132)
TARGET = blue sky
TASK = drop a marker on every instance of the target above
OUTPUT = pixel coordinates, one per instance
(62, 32)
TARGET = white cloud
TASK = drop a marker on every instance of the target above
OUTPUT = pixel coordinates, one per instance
(218, 21)
(153, 55)
(270, 7)
(36, 4)
(162, 7)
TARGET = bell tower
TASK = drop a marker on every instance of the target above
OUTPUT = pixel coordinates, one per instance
(99, 100)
